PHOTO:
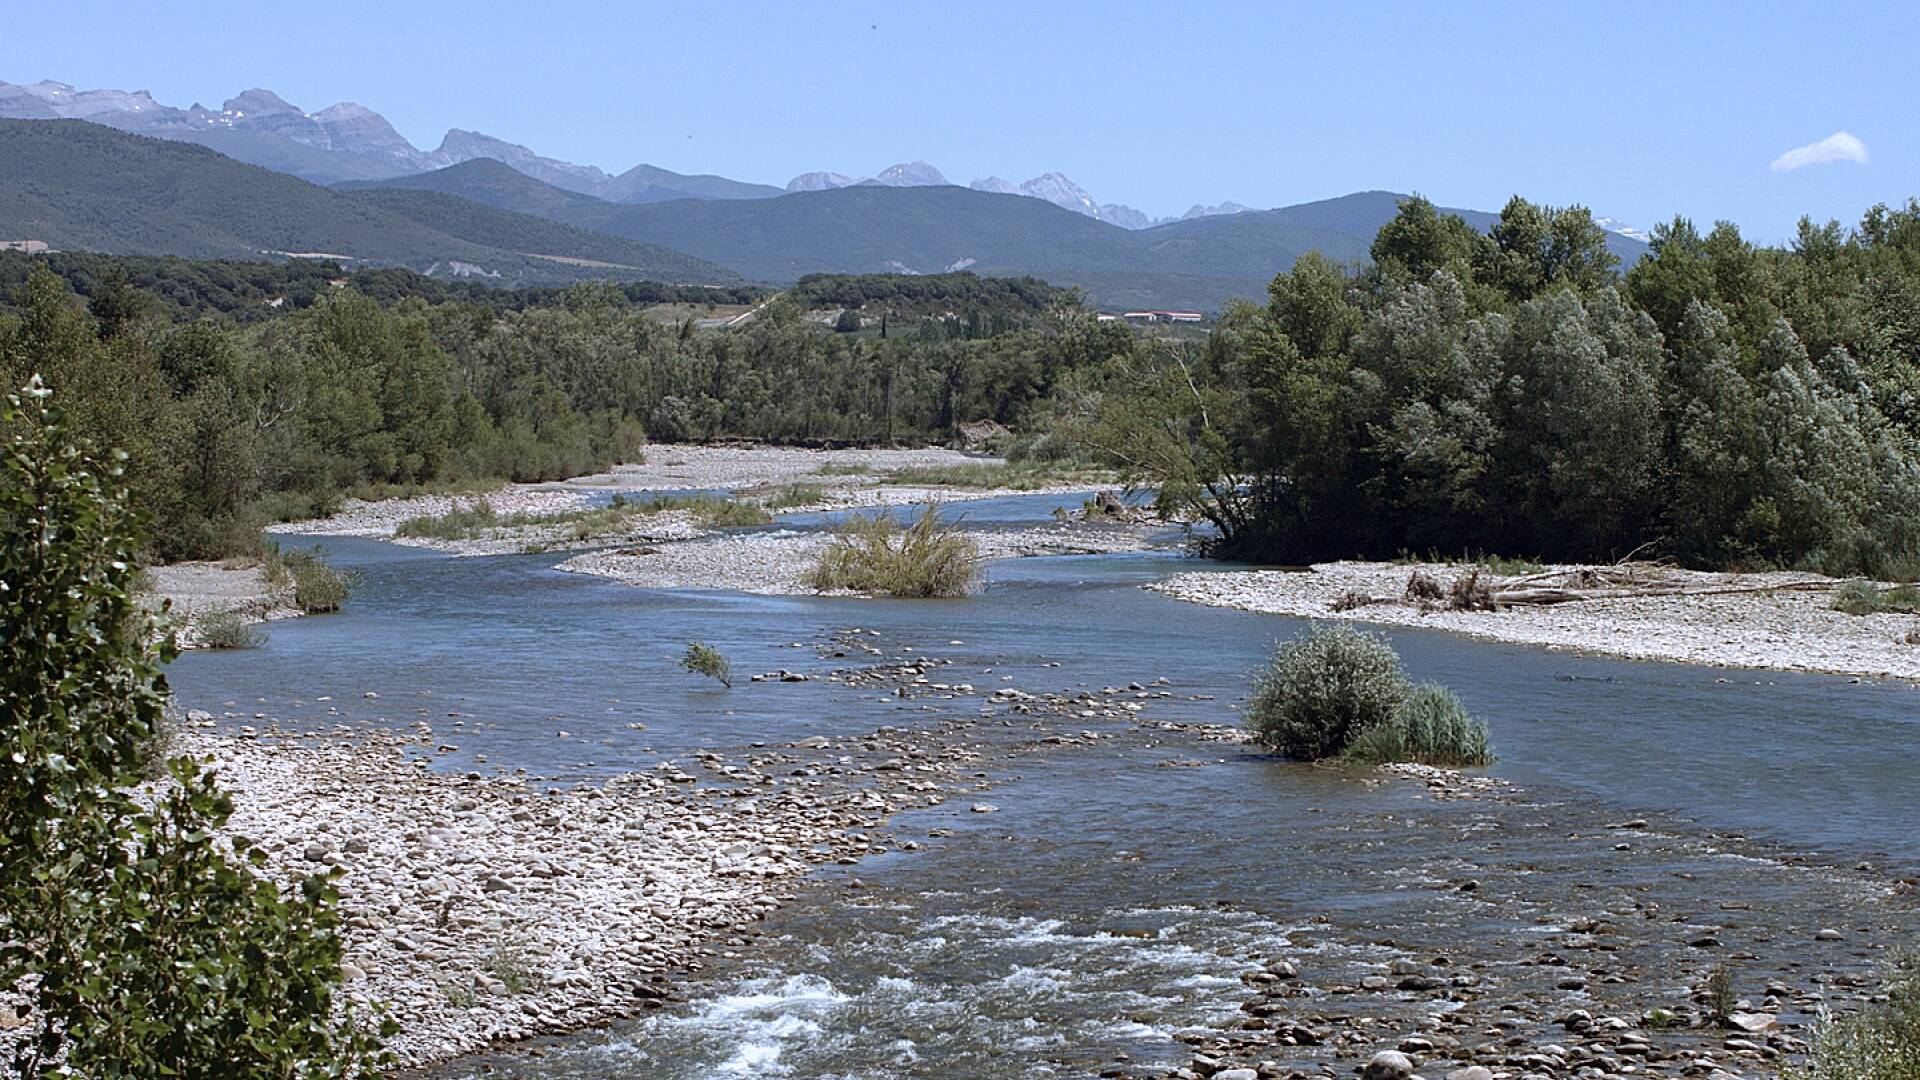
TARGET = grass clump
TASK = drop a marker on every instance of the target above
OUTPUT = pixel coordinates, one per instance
(227, 630)
(849, 469)
(1497, 565)
(792, 495)
(1880, 1042)
(703, 659)
(1866, 598)
(723, 513)
(879, 555)
(1431, 727)
(459, 523)
(1324, 690)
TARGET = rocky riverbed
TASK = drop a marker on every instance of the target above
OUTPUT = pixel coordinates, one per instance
(1785, 628)
(1557, 942)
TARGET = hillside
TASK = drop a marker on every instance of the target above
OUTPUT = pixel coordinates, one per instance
(491, 183)
(538, 237)
(1199, 263)
(84, 186)
(873, 229)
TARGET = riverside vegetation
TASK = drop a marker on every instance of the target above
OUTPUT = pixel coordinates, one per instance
(1512, 393)
(142, 947)
(1507, 393)
(1340, 693)
(879, 555)
(230, 426)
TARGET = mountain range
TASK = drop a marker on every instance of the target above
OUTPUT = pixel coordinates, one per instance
(510, 219)
(349, 141)
(79, 185)
(1200, 262)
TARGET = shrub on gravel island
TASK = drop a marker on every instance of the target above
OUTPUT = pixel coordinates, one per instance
(1430, 727)
(143, 943)
(878, 555)
(1323, 690)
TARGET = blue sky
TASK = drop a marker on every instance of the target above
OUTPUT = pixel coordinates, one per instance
(1640, 111)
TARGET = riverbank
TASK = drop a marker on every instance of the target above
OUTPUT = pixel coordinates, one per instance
(483, 909)
(1777, 627)
(196, 591)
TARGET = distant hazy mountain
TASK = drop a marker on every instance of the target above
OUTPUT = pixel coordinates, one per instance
(343, 142)
(86, 186)
(820, 181)
(1064, 193)
(1199, 211)
(910, 174)
(648, 183)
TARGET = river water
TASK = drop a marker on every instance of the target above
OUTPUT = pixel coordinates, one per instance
(1120, 891)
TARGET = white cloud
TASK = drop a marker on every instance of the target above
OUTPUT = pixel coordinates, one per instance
(1839, 146)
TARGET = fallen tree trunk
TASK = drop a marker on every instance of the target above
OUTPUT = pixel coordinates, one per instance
(1549, 595)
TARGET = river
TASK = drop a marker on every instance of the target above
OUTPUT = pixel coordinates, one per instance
(1120, 891)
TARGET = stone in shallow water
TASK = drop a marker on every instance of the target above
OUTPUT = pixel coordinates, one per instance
(1388, 1065)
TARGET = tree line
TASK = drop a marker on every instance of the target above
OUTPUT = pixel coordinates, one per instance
(229, 425)
(1720, 403)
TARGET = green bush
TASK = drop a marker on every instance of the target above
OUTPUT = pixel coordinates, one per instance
(317, 587)
(703, 659)
(1431, 727)
(1880, 1042)
(1866, 598)
(227, 630)
(1324, 690)
(878, 555)
(142, 947)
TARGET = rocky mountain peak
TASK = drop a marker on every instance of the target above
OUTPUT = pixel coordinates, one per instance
(911, 174)
(260, 103)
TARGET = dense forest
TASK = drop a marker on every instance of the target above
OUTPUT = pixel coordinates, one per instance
(1511, 391)
(229, 425)
(254, 291)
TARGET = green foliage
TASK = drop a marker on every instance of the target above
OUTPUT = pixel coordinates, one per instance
(460, 523)
(228, 630)
(145, 949)
(791, 495)
(1325, 690)
(1879, 1042)
(876, 554)
(725, 513)
(1430, 727)
(317, 587)
(836, 469)
(1866, 598)
(1731, 406)
(704, 659)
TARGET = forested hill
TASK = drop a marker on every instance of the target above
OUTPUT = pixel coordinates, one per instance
(249, 290)
(82, 186)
